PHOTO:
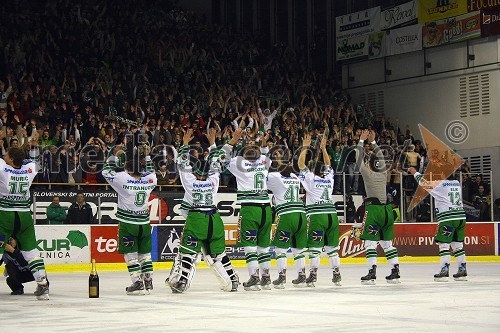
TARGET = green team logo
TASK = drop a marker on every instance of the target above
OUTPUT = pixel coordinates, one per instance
(77, 238)
(140, 199)
(60, 248)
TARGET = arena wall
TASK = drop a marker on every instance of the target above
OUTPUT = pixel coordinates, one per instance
(438, 87)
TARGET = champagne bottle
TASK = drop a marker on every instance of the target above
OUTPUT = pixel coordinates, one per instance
(93, 282)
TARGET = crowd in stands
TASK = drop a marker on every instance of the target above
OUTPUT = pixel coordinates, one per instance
(78, 81)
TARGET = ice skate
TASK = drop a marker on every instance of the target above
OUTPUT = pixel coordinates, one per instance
(369, 279)
(461, 274)
(394, 276)
(178, 287)
(279, 283)
(42, 291)
(136, 288)
(253, 284)
(235, 282)
(265, 282)
(234, 286)
(443, 275)
(336, 277)
(312, 278)
(148, 282)
(300, 281)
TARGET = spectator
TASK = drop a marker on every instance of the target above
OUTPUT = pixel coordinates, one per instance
(477, 183)
(75, 174)
(162, 174)
(56, 214)
(80, 212)
(482, 201)
(92, 176)
(352, 174)
(467, 188)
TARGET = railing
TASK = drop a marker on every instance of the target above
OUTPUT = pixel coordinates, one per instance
(101, 198)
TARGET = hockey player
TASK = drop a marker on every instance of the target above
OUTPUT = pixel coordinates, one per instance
(204, 229)
(133, 186)
(250, 169)
(378, 220)
(451, 219)
(321, 212)
(291, 229)
(16, 177)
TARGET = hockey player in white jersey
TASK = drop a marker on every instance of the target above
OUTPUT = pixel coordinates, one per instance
(204, 229)
(320, 210)
(16, 177)
(133, 186)
(291, 228)
(451, 219)
(250, 169)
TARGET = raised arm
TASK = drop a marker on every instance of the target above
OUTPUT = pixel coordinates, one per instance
(326, 157)
(359, 148)
(377, 151)
(228, 147)
(306, 143)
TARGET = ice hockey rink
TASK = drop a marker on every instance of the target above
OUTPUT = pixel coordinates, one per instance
(418, 304)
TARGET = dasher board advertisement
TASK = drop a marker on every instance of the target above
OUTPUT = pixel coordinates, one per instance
(63, 244)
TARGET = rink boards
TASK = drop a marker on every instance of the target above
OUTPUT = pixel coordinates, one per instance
(77, 244)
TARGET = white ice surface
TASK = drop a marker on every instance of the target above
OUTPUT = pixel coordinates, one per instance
(417, 305)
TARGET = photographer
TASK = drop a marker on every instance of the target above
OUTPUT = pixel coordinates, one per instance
(16, 268)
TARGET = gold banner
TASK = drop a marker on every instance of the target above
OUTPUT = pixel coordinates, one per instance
(474, 5)
(435, 10)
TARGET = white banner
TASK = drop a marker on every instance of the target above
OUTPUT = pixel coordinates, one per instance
(358, 24)
(402, 40)
(352, 47)
(399, 15)
(63, 244)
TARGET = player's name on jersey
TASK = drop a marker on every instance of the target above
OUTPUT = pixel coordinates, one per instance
(257, 168)
(138, 187)
(19, 178)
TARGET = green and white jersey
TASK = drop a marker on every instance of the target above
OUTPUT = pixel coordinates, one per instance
(448, 198)
(286, 193)
(250, 176)
(319, 192)
(15, 186)
(199, 195)
(133, 194)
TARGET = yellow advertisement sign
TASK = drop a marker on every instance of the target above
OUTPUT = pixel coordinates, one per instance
(434, 10)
